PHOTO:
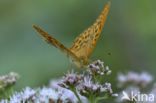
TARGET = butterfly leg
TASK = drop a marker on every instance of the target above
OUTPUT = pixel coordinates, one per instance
(70, 67)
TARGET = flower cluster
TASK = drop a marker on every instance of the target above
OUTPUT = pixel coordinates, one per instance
(87, 87)
(8, 80)
(142, 79)
(72, 88)
(97, 68)
(65, 92)
(88, 84)
(28, 94)
(6, 83)
(137, 82)
(71, 80)
(44, 95)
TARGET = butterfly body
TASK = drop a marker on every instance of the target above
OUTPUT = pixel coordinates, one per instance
(84, 44)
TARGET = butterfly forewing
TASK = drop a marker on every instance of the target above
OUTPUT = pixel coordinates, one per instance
(86, 41)
(56, 43)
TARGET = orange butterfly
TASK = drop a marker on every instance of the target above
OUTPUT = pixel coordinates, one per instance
(84, 44)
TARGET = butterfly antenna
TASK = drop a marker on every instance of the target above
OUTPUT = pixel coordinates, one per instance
(103, 55)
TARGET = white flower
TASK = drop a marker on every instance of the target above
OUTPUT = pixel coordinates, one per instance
(46, 95)
(16, 98)
(4, 101)
(142, 79)
(8, 80)
(65, 93)
(27, 94)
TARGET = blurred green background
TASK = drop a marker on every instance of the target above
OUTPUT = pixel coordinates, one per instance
(129, 34)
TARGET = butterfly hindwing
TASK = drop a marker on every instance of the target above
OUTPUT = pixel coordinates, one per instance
(86, 41)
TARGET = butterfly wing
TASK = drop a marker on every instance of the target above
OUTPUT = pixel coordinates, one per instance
(52, 41)
(86, 41)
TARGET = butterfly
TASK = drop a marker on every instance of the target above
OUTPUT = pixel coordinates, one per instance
(84, 44)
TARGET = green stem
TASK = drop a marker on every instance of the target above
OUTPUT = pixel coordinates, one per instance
(92, 98)
(11, 91)
(100, 98)
(76, 94)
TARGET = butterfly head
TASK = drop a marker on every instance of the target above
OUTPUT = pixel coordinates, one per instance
(82, 63)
